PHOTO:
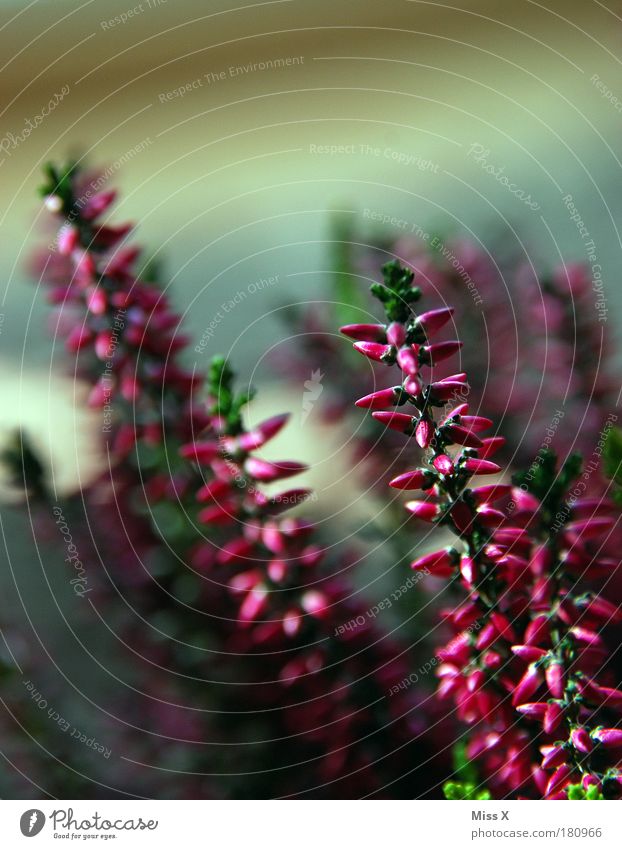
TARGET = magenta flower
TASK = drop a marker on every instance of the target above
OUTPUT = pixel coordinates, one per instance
(524, 663)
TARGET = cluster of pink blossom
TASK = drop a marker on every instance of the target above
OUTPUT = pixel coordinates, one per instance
(264, 592)
(527, 667)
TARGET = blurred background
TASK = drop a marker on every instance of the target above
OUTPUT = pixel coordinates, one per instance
(239, 135)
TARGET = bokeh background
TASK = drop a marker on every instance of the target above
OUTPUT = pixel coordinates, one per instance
(238, 134)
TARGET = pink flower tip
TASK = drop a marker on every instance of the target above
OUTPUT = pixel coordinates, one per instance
(401, 422)
(425, 510)
(374, 350)
(379, 400)
(364, 332)
(481, 467)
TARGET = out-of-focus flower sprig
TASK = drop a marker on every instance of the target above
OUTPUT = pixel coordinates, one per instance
(188, 485)
(527, 665)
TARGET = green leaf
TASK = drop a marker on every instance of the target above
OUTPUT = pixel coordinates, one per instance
(612, 455)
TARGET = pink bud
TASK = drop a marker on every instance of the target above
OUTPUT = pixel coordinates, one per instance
(533, 710)
(101, 392)
(379, 400)
(590, 528)
(408, 360)
(396, 334)
(525, 501)
(78, 337)
(555, 679)
(97, 204)
(490, 492)
(365, 332)
(417, 479)
(375, 351)
(213, 490)
(218, 514)
(463, 436)
(440, 351)
(553, 756)
(425, 510)
(528, 653)
(455, 413)
(468, 569)
(254, 603)
(527, 685)
(489, 517)
(68, 239)
(490, 446)
(559, 779)
(443, 464)
(437, 562)
(487, 636)
(433, 320)
(277, 570)
(235, 549)
(258, 437)
(315, 603)
(552, 717)
(103, 344)
(610, 737)
(286, 500)
(445, 390)
(481, 467)
(413, 385)
(129, 387)
(401, 422)
(424, 433)
(503, 625)
(292, 621)
(604, 609)
(97, 301)
(266, 471)
(581, 740)
(476, 423)
(201, 452)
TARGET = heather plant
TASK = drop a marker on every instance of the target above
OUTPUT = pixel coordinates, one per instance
(254, 669)
(528, 667)
(238, 616)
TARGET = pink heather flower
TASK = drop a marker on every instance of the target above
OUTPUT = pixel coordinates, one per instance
(264, 591)
(443, 464)
(374, 350)
(408, 360)
(610, 737)
(425, 510)
(537, 636)
(581, 740)
(481, 467)
(437, 562)
(365, 332)
(381, 399)
(555, 676)
(400, 422)
(417, 479)
(433, 320)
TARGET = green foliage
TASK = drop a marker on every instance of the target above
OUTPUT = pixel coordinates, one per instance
(59, 182)
(397, 293)
(612, 460)
(465, 784)
(348, 296)
(577, 792)
(548, 483)
(224, 401)
(25, 470)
